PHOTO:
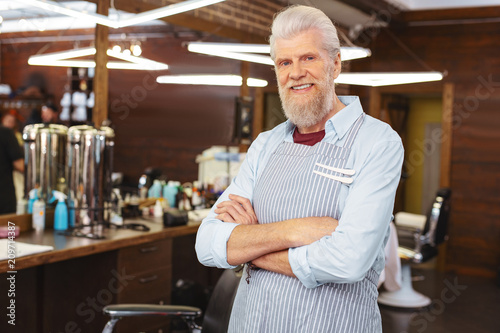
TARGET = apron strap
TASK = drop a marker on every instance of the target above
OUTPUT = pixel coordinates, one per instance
(354, 131)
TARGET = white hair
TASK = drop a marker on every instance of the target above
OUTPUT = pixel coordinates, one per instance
(296, 19)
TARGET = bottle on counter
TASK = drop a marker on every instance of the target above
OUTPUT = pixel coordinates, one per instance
(61, 212)
(155, 189)
(21, 206)
(170, 193)
(158, 209)
(38, 215)
(196, 199)
(184, 197)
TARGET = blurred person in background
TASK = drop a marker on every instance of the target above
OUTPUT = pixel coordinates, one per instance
(12, 119)
(11, 158)
(50, 114)
(47, 114)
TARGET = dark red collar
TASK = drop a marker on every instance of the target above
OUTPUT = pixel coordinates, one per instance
(309, 139)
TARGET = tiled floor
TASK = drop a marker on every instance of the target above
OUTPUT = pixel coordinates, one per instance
(460, 304)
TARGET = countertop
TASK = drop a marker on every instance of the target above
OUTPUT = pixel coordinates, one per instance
(68, 247)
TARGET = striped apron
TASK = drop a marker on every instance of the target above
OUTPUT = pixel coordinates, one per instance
(271, 302)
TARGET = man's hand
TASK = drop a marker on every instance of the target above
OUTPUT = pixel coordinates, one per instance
(275, 262)
(307, 230)
(238, 210)
(251, 240)
(248, 242)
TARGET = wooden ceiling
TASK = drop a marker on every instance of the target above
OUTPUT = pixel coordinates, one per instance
(249, 21)
(245, 21)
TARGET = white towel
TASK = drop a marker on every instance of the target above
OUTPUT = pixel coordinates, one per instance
(22, 249)
(65, 103)
(391, 274)
(79, 101)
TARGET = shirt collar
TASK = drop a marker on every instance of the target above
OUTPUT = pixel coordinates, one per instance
(342, 121)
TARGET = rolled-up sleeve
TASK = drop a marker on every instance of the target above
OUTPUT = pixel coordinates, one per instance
(211, 241)
(348, 254)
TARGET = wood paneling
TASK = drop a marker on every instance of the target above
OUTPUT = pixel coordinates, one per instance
(446, 138)
(469, 54)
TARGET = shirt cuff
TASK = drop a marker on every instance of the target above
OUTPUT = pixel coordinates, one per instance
(219, 244)
(297, 258)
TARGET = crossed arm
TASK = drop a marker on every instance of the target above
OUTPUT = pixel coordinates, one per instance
(266, 245)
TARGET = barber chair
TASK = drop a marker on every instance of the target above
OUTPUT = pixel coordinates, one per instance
(419, 237)
(215, 320)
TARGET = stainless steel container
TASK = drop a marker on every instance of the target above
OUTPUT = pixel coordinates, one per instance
(45, 156)
(90, 164)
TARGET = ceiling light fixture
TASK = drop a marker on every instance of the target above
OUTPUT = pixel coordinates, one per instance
(244, 51)
(387, 78)
(136, 49)
(149, 15)
(129, 61)
(212, 80)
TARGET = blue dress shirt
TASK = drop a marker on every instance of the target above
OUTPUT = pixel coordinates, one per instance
(366, 205)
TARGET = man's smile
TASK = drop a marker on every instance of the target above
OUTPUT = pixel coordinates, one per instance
(303, 86)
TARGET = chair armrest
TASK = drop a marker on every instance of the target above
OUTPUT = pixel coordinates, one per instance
(134, 310)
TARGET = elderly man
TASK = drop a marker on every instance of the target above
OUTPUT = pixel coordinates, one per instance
(309, 211)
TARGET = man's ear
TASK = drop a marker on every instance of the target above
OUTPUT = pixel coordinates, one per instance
(337, 63)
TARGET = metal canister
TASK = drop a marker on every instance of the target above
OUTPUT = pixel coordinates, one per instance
(45, 156)
(90, 164)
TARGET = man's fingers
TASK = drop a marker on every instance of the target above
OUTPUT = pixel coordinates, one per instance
(236, 212)
(240, 199)
(246, 204)
(225, 217)
(231, 207)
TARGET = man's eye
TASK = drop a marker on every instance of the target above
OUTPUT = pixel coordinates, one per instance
(285, 63)
(310, 58)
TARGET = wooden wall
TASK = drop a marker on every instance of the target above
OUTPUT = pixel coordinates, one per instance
(470, 55)
(163, 126)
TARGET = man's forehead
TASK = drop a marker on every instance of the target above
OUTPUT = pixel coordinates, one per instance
(288, 50)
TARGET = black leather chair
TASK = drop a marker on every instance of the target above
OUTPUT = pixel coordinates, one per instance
(418, 237)
(215, 319)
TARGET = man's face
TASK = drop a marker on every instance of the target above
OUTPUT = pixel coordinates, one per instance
(305, 75)
(9, 121)
(48, 114)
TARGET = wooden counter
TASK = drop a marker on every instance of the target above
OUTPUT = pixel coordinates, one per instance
(73, 247)
(64, 290)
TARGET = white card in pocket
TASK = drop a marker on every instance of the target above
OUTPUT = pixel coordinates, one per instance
(347, 172)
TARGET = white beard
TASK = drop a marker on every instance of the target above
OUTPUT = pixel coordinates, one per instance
(310, 112)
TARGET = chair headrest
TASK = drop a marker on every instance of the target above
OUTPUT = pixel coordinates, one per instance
(410, 220)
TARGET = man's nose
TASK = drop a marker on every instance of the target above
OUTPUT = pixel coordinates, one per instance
(297, 71)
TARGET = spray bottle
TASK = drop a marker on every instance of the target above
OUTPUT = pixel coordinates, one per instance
(61, 212)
